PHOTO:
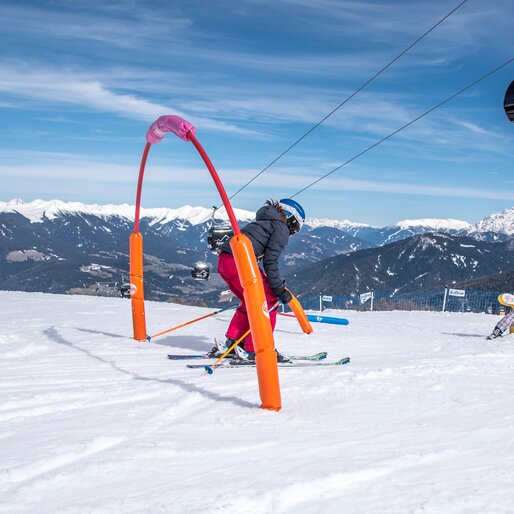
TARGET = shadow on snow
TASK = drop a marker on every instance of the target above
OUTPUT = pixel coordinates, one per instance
(53, 334)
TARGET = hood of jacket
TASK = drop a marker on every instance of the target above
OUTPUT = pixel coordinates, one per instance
(268, 212)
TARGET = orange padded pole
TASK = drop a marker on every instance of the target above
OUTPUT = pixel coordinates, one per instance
(137, 295)
(297, 308)
(258, 316)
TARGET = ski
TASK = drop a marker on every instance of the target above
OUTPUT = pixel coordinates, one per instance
(314, 357)
(251, 364)
(178, 357)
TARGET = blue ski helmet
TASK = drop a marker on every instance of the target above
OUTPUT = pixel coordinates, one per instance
(295, 215)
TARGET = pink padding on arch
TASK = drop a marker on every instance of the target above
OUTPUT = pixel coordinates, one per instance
(169, 123)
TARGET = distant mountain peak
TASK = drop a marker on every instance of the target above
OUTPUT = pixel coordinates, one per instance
(37, 210)
(341, 224)
(435, 224)
(194, 215)
(502, 222)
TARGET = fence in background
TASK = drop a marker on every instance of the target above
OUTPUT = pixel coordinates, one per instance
(443, 300)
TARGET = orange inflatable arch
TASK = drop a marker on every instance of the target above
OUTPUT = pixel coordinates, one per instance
(247, 267)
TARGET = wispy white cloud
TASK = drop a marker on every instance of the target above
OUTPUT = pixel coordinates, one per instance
(473, 127)
(93, 22)
(393, 21)
(365, 118)
(180, 174)
(77, 89)
(355, 64)
(345, 184)
(164, 31)
(206, 106)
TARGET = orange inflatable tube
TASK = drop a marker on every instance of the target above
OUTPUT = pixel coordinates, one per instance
(297, 308)
(258, 316)
(137, 295)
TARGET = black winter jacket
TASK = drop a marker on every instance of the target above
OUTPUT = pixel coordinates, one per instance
(269, 236)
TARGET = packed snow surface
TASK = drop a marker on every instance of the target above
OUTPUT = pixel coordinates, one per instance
(420, 421)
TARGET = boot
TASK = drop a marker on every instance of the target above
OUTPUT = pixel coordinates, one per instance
(496, 333)
(229, 342)
(282, 358)
(220, 348)
(244, 355)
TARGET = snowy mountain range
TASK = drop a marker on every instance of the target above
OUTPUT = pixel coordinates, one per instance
(421, 262)
(38, 210)
(72, 247)
(501, 223)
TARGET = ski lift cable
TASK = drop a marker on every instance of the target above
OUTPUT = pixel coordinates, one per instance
(314, 127)
(469, 86)
(377, 74)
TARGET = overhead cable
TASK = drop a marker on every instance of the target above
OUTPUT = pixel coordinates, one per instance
(469, 86)
(377, 74)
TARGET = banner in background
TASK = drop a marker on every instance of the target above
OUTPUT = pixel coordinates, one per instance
(364, 297)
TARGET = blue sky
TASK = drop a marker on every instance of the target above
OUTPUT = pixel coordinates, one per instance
(79, 86)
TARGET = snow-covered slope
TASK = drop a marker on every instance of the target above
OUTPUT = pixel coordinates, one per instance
(91, 421)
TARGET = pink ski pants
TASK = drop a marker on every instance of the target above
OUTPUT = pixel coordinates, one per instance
(239, 323)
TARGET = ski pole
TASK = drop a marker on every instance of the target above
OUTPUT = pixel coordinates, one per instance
(209, 369)
(189, 322)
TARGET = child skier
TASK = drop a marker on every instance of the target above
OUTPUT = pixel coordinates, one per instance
(269, 234)
(506, 323)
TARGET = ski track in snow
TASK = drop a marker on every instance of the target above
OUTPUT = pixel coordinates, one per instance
(420, 421)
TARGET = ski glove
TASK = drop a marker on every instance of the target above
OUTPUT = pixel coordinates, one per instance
(285, 296)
